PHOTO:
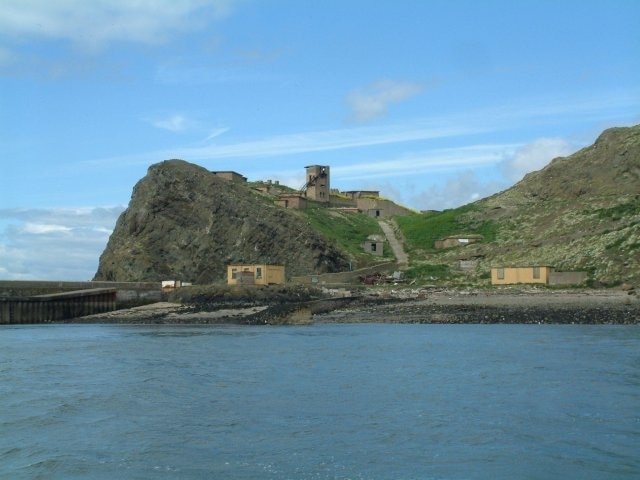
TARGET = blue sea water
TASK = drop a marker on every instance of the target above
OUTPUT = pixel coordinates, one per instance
(327, 401)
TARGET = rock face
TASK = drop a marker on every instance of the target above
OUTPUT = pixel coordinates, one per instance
(184, 222)
(580, 212)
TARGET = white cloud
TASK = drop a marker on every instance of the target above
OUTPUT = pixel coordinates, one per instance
(458, 190)
(216, 132)
(373, 101)
(306, 142)
(535, 156)
(57, 244)
(437, 160)
(43, 228)
(92, 25)
(174, 123)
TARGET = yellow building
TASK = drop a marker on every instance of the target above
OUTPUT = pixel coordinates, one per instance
(513, 275)
(258, 274)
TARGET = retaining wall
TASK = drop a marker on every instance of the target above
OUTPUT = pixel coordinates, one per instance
(56, 307)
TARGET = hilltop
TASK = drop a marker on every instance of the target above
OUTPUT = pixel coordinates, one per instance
(579, 213)
(185, 222)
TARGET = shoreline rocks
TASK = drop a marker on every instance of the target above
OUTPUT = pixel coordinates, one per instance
(441, 307)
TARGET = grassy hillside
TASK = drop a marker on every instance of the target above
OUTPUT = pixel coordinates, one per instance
(579, 213)
(421, 231)
(347, 231)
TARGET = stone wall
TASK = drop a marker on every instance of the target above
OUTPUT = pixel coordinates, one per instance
(342, 278)
(567, 278)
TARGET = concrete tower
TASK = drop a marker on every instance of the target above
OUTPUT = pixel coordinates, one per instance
(318, 187)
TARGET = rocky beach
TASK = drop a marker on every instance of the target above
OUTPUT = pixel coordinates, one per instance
(438, 306)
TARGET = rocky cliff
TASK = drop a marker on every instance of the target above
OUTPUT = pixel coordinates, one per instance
(183, 222)
(580, 212)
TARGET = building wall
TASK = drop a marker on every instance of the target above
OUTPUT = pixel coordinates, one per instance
(292, 201)
(456, 241)
(374, 247)
(263, 274)
(318, 183)
(567, 278)
(514, 275)
(380, 208)
(355, 194)
(233, 176)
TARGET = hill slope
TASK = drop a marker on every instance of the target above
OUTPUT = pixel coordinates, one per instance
(185, 222)
(580, 212)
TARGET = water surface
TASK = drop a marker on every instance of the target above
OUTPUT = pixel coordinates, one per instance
(364, 401)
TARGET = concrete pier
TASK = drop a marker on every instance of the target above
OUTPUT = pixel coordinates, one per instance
(57, 306)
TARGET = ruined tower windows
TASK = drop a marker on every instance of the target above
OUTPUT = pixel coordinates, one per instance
(318, 185)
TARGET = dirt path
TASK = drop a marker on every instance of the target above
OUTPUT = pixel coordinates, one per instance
(395, 243)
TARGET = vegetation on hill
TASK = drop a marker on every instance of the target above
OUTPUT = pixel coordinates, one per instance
(422, 231)
(347, 231)
(579, 213)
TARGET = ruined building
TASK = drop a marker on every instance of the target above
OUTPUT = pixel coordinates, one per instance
(317, 183)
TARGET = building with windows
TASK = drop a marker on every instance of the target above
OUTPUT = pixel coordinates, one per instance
(513, 275)
(374, 244)
(255, 274)
(317, 186)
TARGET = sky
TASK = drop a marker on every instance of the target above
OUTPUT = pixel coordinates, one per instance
(436, 103)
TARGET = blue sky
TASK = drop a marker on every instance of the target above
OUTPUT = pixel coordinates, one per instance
(434, 103)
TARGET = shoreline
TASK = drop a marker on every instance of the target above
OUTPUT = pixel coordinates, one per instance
(402, 306)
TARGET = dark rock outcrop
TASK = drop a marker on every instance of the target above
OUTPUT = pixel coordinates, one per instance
(183, 222)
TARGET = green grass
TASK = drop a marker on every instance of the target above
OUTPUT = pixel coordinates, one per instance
(347, 230)
(428, 272)
(421, 231)
(620, 211)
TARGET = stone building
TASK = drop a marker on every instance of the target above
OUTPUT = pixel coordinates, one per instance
(457, 241)
(317, 184)
(232, 176)
(293, 200)
(374, 244)
(255, 274)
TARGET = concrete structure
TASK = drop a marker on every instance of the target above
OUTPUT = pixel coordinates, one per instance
(567, 278)
(293, 200)
(317, 186)
(232, 176)
(374, 244)
(458, 241)
(380, 207)
(57, 306)
(169, 285)
(128, 294)
(514, 275)
(467, 265)
(355, 194)
(255, 274)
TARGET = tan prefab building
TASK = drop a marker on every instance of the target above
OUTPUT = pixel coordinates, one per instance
(257, 274)
(513, 275)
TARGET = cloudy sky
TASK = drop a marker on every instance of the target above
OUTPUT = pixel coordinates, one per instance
(435, 103)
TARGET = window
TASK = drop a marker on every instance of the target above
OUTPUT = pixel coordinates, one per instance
(500, 273)
(373, 247)
(536, 272)
(234, 273)
(258, 272)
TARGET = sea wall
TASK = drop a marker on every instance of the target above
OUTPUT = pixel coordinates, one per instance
(128, 294)
(56, 307)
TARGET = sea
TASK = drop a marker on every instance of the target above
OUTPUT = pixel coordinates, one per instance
(324, 401)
